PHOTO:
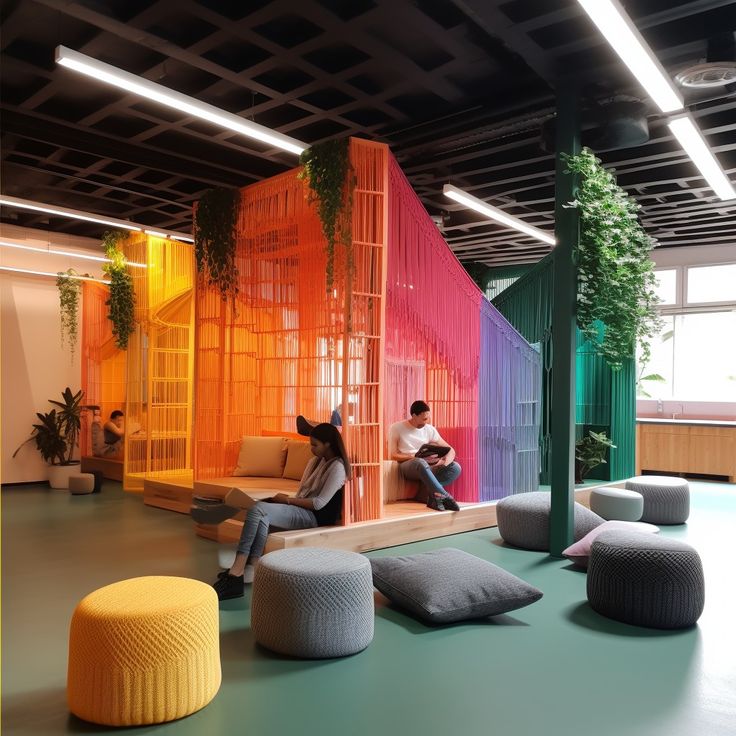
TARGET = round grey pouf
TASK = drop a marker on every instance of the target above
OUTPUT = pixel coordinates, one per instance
(617, 504)
(313, 603)
(81, 484)
(523, 520)
(645, 580)
(666, 499)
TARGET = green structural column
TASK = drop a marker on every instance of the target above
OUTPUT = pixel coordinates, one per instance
(564, 297)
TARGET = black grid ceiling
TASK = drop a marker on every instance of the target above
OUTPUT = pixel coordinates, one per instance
(458, 88)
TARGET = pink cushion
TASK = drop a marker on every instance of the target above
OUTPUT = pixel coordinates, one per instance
(579, 552)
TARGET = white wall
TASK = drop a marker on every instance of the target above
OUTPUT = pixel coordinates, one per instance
(33, 365)
(694, 255)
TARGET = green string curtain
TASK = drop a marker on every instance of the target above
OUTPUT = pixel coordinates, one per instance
(605, 400)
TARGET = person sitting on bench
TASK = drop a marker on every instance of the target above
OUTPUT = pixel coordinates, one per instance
(406, 440)
(318, 502)
(107, 439)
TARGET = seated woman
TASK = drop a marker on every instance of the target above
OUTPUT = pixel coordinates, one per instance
(107, 439)
(318, 502)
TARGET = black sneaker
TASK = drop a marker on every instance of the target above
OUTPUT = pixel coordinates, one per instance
(435, 503)
(229, 586)
(449, 502)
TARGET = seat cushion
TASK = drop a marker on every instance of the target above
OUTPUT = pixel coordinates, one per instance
(261, 456)
(298, 454)
(448, 585)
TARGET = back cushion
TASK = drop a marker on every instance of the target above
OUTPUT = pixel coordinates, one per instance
(298, 454)
(261, 456)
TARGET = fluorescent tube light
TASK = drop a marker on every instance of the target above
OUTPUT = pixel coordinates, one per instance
(183, 103)
(691, 139)
(52, 275)
(628, 43)
(495, 214)
(28, 204)
(49, 251)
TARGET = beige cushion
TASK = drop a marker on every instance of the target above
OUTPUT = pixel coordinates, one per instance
(82, 483)
(298, 454)
(262, 456)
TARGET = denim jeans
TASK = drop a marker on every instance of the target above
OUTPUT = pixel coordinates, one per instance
(431, 478)
(266, 515)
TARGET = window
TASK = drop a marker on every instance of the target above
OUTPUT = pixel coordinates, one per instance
(708, 284)
(666, 287)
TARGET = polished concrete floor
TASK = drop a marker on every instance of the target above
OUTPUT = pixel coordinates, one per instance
(552, 668)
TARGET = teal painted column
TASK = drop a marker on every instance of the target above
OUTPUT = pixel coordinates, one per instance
(564, 300)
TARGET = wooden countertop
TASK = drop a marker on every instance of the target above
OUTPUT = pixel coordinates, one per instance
(693, 422)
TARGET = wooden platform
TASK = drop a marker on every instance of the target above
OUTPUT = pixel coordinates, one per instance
(111, 468)
(172, 494)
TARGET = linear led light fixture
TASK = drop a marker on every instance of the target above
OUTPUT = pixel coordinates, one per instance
(28, 204)
(691, 139)
(49, 251)
(170, 98)
(629, 44)
(52, 275)
(495, 214)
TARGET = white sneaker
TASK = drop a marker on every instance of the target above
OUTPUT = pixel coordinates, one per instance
(249, 573)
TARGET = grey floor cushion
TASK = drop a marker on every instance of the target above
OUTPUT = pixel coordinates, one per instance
(645, 580)
(448, 585)
(523, 520)
(313, 602)
(666, 499)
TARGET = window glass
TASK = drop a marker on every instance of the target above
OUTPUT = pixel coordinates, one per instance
(711, 284)
(666, 286)
(655, 380)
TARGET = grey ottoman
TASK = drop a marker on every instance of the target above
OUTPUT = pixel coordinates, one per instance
(81, 484)
(313, 603)
(523, 520)
(617, 504)
(645, 580)
(666, 499)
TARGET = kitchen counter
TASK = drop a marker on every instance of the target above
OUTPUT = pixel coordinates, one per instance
(686, 421)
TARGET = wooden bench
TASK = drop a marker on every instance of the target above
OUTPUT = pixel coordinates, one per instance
(111, 468)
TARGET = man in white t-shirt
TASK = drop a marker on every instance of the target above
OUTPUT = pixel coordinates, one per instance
(433, 472)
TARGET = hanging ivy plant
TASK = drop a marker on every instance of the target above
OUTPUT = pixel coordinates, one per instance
(121, 302)
(615, 273)
(331, 182)
(214, 239)
(69, 290)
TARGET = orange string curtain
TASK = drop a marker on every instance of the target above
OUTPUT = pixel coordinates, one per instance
(283, 346)
(158, 441)
(103, 365)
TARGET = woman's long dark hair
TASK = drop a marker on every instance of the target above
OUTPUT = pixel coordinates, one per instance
(328, 433)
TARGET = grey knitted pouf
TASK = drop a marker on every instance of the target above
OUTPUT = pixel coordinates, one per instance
(616, 504)
(666, 499)
(523, 520)
(313, 603)
(645, 580)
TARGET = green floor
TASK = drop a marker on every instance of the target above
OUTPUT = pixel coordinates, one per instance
(552, 668)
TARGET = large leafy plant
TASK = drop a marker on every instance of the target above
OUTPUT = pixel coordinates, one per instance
(331, 181)
(615, 273)
(121, 302)
(56, 434)
(591, 451)
(69, 291)
(214, 239)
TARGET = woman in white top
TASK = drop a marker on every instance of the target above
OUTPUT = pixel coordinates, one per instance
(318, 502)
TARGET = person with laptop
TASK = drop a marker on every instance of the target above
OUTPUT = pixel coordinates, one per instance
(423, 455)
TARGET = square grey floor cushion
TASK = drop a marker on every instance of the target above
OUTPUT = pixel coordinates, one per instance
(448, 585)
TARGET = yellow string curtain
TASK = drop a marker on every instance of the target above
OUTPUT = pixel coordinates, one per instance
(282, 347)
(103, 365)
(158, 440)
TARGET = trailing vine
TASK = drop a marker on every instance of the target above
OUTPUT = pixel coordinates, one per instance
(331, 182)
(214, 240)
(121, 302)
(615, 273)
(69, 290)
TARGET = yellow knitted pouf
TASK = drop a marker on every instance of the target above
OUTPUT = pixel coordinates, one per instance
(145, 650)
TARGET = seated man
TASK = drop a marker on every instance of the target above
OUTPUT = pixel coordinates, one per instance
(107, 439)
(405, 438)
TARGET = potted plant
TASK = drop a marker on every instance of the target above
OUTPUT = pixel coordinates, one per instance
(590, 451)
(56, 436)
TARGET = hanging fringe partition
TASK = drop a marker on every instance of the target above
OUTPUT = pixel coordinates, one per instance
(160, 362)
(103, 365)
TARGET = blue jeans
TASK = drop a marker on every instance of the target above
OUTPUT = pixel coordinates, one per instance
(431, 478)
(265, 515)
